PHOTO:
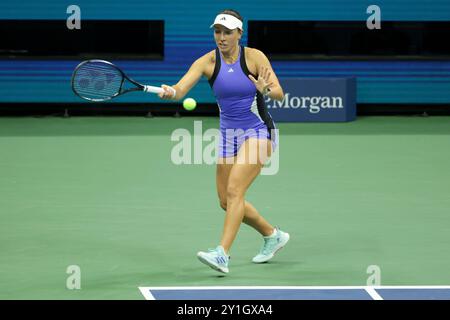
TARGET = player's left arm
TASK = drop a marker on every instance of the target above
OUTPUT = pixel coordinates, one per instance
(267, 82)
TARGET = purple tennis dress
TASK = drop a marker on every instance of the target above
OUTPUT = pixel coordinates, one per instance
(243, 113)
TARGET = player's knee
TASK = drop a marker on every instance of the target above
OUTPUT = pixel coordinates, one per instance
(223, 205)
(233, 192)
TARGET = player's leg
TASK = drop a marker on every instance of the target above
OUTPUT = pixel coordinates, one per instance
(247, 167)
(252, 155)
(248, 163)
(277, 239)
(251, 215)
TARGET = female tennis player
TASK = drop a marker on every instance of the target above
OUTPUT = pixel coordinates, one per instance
(240, 78)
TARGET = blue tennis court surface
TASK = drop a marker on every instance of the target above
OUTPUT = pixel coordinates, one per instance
(298, 293)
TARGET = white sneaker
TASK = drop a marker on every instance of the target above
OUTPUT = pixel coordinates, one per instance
(215, 258)
(271, 245)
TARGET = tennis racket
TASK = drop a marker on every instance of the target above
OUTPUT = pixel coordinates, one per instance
(100, 80)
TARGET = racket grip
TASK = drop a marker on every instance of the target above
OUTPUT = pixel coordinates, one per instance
(153, 89)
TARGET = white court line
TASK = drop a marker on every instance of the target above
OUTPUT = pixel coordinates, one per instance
(146, 293)
(411, 287)
(257, 287)
(370, 290)
(295, 287)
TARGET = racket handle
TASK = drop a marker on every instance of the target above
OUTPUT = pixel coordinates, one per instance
(153, 89)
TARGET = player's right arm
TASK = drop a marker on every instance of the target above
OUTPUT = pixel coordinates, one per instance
(186, 83)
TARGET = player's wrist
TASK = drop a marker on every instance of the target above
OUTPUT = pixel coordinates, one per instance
(173, 91)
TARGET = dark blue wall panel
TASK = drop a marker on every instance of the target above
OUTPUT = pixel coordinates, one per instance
(187, 36)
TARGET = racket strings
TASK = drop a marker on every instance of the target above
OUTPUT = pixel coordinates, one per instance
(97, 81)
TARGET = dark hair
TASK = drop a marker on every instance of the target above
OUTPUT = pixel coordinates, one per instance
(232, 12)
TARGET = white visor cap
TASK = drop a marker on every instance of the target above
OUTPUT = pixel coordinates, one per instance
(228, 21)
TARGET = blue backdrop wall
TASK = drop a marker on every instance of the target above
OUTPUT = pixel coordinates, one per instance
(187, 37)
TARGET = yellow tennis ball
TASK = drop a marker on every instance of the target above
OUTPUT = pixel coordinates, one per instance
(189, 104)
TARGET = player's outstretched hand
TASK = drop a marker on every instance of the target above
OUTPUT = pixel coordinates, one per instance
(262, 84)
